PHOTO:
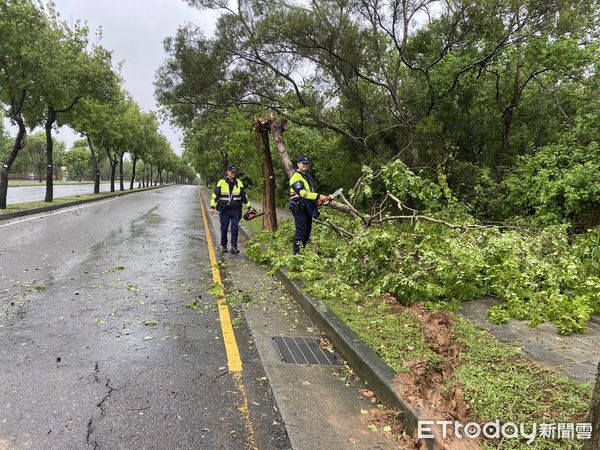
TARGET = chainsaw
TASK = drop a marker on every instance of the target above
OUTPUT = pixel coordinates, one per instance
(330, 197)
(252, 214)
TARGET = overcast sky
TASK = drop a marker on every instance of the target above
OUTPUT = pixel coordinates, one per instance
(134, 31)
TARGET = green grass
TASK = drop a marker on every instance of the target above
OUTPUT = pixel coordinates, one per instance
(255, 226)
(498, 381)
(395, 335)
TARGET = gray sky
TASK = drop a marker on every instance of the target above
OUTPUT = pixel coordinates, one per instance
(134, 31)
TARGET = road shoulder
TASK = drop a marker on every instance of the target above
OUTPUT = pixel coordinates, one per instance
(322, 406)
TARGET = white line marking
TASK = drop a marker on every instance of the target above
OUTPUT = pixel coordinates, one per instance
(62, 211)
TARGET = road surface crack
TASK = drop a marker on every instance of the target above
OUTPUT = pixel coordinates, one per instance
(100, 405)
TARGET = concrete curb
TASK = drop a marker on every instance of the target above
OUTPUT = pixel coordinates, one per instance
(362, 358)
(42, 209)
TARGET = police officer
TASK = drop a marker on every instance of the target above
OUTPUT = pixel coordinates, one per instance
(228, 198)
(303, 202)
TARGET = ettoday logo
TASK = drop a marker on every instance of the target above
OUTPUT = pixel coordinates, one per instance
(507, 430)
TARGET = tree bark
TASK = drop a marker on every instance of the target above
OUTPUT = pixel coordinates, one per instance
(20, 142)
(262, 128)
(133, 173)
(113, 169)
(50, 119)
(121, 186)
(594, 443)
(112, 159)
(95, 165)
(278, 127)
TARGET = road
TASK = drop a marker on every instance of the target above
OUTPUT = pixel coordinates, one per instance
(98, 347)
(21, 194)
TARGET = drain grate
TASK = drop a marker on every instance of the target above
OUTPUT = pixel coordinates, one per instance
(302, 350)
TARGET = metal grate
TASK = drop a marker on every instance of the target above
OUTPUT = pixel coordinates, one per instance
(302, 350)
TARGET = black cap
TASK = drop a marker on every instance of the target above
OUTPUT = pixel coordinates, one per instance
(232, 168)
(303, 159)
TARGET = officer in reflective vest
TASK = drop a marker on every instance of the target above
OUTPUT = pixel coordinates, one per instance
(303, 202)
(228, 198)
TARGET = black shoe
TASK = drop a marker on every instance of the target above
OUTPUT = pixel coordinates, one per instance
(224, 249)
(234, 250)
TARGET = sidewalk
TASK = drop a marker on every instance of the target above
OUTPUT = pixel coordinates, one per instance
(321, 409)
(576, 356)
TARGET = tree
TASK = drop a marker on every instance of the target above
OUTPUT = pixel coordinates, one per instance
(78, 161)
(19, 63)
(34, 154)
(4, 141)
(71, 72)
(453, 89)
(93, 119)
(146, 137)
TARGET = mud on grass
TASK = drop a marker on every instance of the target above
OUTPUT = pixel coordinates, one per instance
(451, 370)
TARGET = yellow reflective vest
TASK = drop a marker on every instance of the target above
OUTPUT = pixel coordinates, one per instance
(302, 186)
(224, 197)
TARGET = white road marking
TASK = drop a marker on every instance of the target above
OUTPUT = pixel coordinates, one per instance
(62, 211)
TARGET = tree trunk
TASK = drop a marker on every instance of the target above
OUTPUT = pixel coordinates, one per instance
(261, 128)
(18, 145)
(95, 165)
(49, 147)
(112, 159)
(113, 170)
(594, 443)
(121, 186)
(133, 174)
(277, 129)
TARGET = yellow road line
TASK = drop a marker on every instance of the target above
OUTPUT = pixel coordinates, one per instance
(233, 354)
(243, 408)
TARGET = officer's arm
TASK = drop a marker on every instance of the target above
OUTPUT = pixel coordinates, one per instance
(298, 188)
(215, 195)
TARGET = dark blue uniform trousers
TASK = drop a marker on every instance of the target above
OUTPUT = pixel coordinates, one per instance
(303, 220)
(230, 216)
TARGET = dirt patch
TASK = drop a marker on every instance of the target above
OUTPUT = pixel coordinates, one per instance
(386, 417)
(425, 384)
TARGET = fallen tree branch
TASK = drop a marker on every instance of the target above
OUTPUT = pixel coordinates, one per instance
(339, 230)
(401, 206)
(415, 217)
(343, 208)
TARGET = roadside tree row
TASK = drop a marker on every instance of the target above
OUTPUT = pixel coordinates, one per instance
(51, 75)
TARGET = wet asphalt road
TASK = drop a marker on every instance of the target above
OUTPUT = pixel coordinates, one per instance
(97, 346)
(21, 194)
